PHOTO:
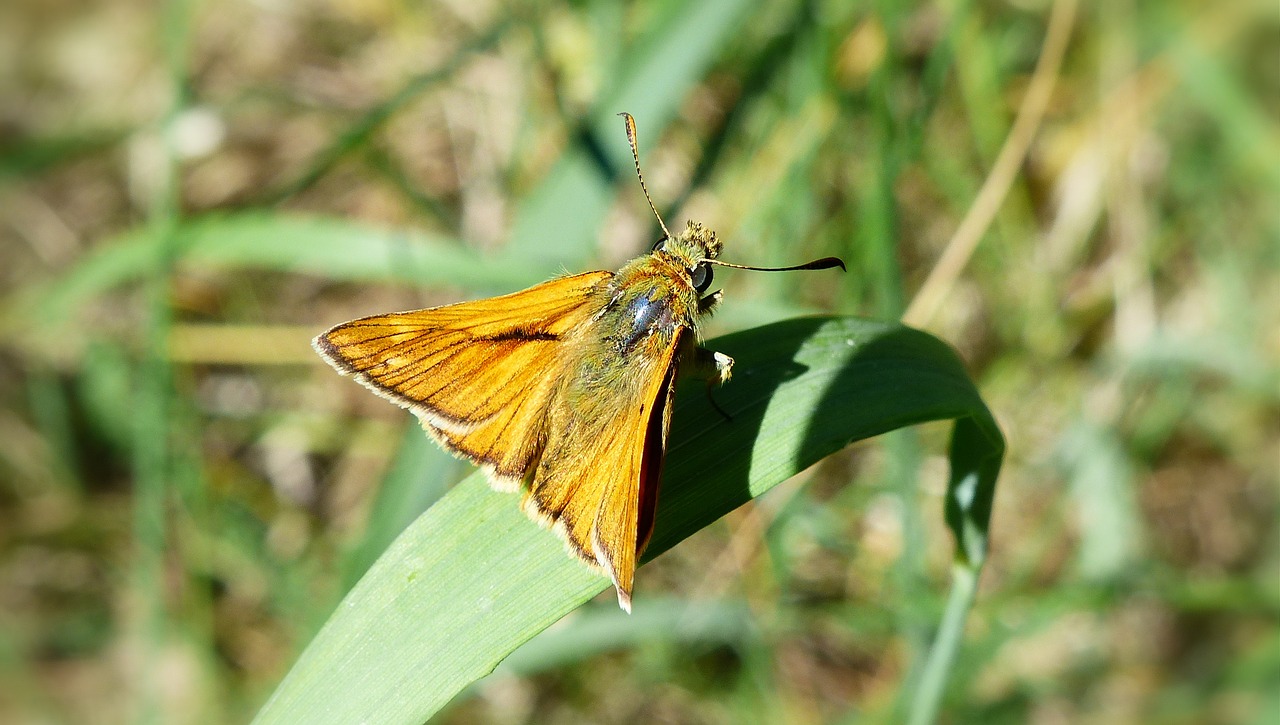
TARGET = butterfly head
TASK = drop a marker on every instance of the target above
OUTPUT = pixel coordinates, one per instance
(693, 249)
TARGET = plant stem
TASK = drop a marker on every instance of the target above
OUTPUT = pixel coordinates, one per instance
(964, 585)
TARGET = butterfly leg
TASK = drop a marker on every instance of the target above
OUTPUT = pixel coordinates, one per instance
(715, 367)
(708, 303)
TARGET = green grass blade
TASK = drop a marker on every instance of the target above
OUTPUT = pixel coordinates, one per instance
(35, 155)
(419, 476)
(928, 695)
(597, 630)
(335, 249)
(472, 579)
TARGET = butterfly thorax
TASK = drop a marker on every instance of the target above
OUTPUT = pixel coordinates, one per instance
(655, 295)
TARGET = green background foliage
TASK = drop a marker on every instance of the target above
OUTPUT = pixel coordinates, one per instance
(186, 197)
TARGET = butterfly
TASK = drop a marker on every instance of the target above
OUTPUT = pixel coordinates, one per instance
(564, 390)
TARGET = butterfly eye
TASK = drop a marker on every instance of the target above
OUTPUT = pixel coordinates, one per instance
(659, 244)
(701, 277)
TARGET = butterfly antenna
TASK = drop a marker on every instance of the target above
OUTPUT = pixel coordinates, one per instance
(635, 154)
(824, 263)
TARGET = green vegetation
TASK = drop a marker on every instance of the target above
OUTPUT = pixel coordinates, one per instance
(1080, 199)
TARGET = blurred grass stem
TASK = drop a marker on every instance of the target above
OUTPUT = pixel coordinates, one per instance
(1012, 154)
(152, 455)
(933, 682)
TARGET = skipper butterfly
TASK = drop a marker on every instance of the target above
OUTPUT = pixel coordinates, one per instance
(563, 390)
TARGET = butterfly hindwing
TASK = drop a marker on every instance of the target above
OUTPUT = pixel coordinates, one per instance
(597, 481)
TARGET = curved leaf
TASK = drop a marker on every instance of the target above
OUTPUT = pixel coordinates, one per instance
(472, 579)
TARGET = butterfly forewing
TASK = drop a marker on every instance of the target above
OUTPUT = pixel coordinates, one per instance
(479, 375)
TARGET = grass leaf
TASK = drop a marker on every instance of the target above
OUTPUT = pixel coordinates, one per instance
(335, 249)
(472, 579)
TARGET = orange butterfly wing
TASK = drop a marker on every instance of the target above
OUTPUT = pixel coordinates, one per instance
(526, 386)
(597, 480)
(479, 375)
